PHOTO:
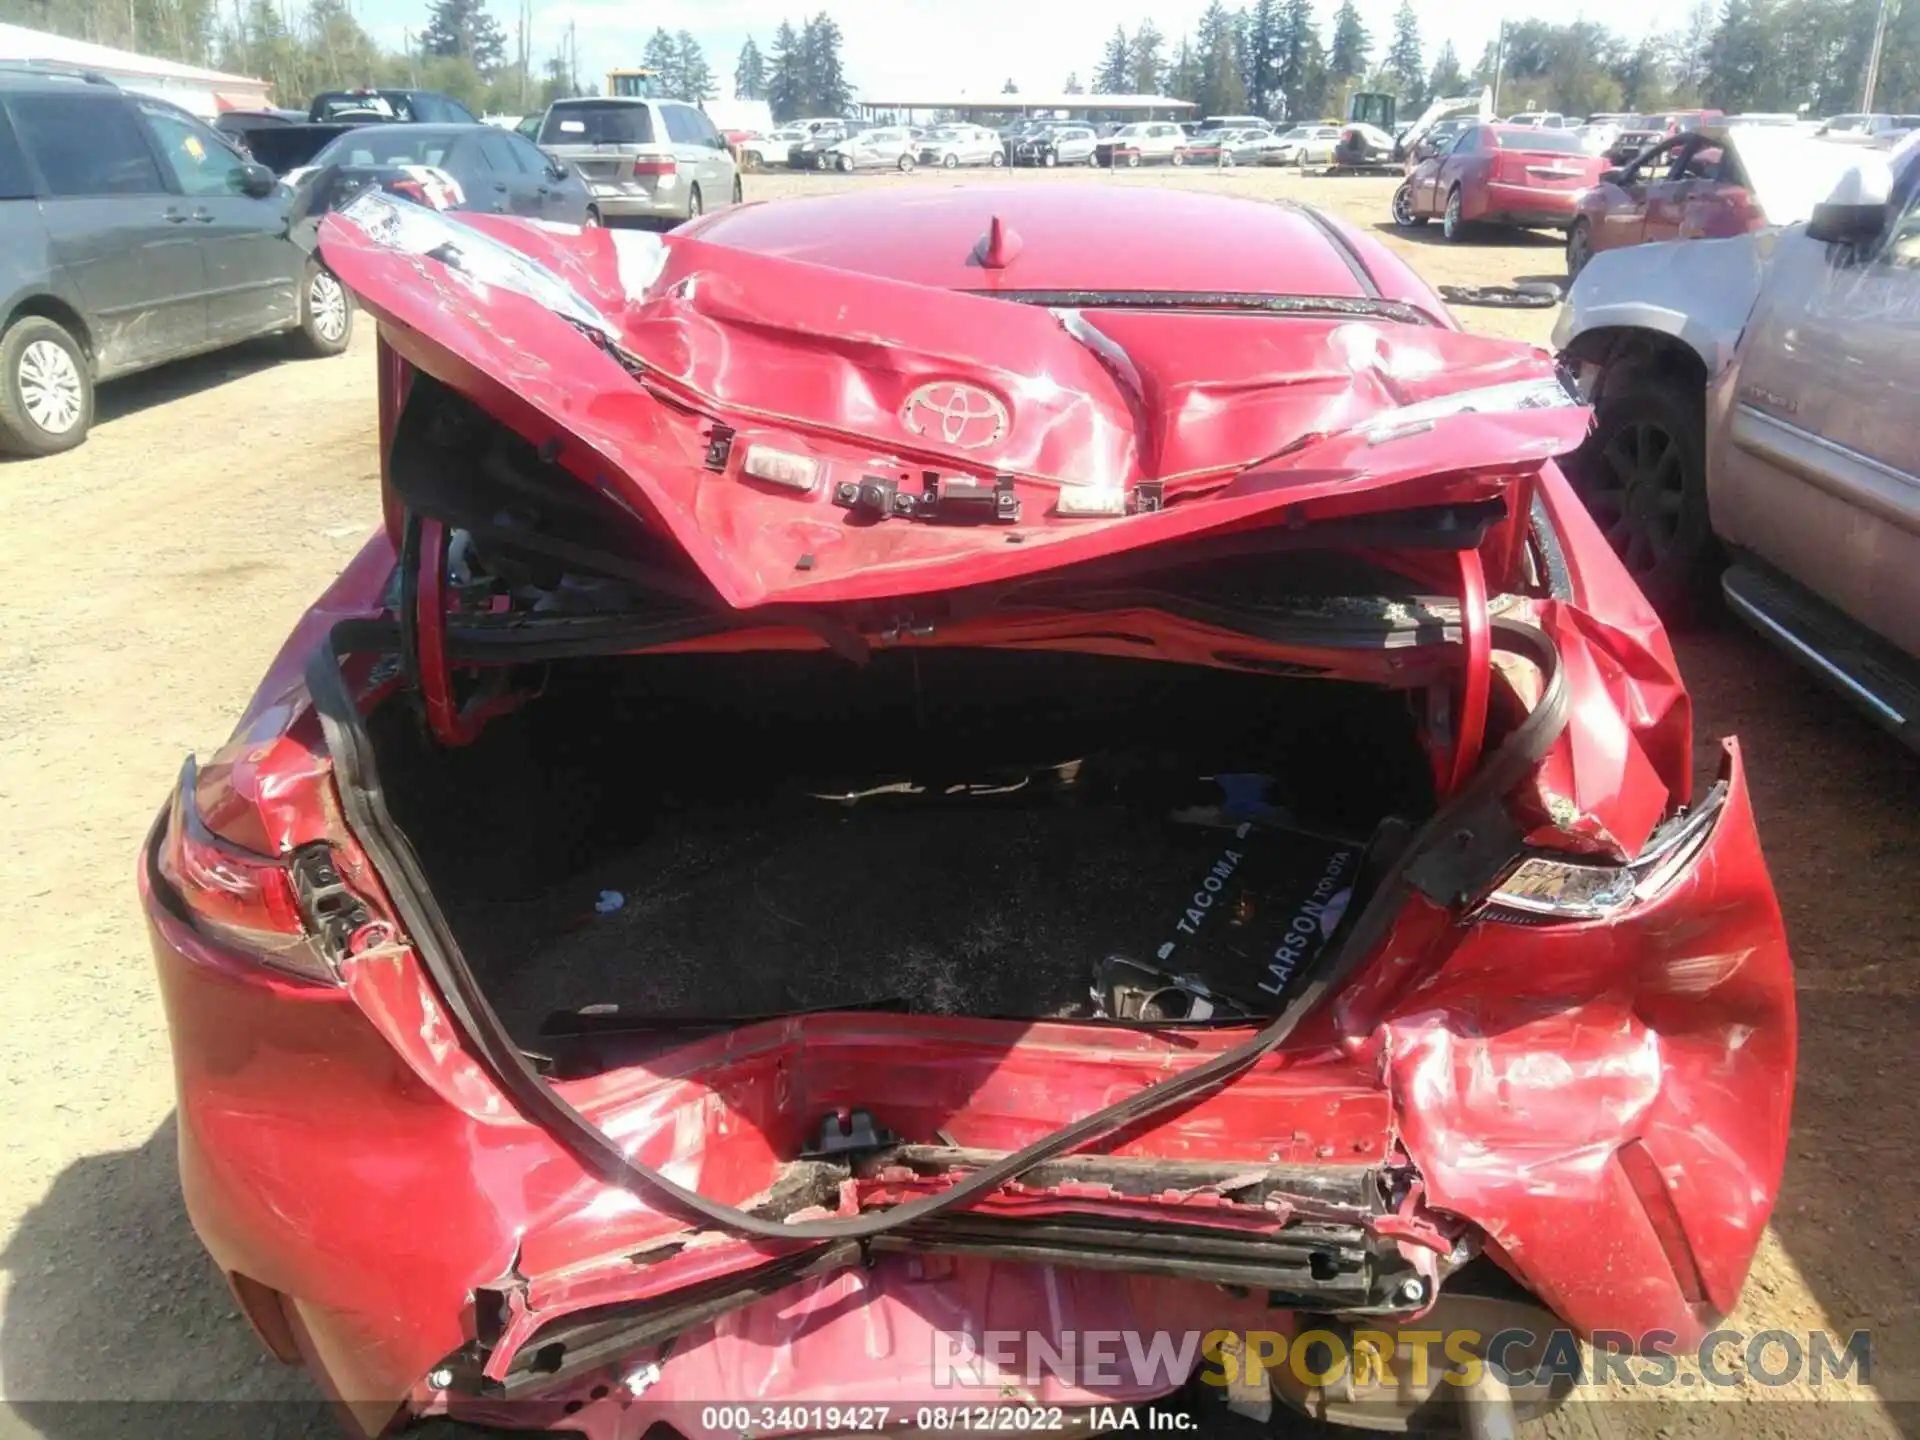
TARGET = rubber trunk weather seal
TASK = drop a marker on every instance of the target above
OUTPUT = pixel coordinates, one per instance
(1455, 825)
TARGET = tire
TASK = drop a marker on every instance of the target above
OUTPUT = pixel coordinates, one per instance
(326, 314)
(998, 159)
(46, 388)
(906, 164)
(695, 206)
(949, 161)
(1227, 161)
(1452, 226)
(1049, 159)
(845, 162)
(1179, 157)
(593, 220)
(1404, 215)
(1093, 160)
(1642, 475)
(1133, 160)
(1579, 248)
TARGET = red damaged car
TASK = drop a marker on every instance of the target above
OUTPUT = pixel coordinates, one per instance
(898, 777)
(1511, 175)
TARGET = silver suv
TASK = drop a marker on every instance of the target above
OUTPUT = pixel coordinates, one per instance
(647, 159)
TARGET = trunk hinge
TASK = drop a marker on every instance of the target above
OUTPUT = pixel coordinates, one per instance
(423, 641)
(1476, 681)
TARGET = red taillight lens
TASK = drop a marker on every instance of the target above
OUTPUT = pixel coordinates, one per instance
(655, 166)
(238, 896)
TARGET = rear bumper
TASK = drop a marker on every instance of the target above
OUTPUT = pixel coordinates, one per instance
(1523, 206)
(621, 203)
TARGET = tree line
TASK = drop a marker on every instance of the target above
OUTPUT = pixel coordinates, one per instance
(1269, 57)
(1274, 58)
(303, 49)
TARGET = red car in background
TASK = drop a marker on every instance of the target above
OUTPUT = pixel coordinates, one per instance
(897, 773)
(1511, 175)
(1688, 187)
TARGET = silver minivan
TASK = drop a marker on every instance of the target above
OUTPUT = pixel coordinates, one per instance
(654, 159)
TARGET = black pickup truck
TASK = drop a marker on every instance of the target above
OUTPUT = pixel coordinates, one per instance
(282, 147)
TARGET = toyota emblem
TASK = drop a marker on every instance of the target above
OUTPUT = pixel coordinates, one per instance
(964, 416)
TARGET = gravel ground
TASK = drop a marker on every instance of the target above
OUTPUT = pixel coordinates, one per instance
(157, 569)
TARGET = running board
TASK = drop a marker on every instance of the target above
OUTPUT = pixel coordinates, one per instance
(1878, 680)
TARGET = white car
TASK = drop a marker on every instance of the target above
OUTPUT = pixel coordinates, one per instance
(1538, 120)
(760, 151)
(1147, 142)
(892, 147)
(1303, 145)
(952, 145)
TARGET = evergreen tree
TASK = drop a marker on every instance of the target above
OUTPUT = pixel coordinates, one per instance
(1447, 77)
(827, 90)
(1073, 86)
(462, 29)
(1261, 59)
(786, 75)
(1116, 66)
(1183, 77)
(1300, 61)
(1009, 88)
(344, 55)
(662, 56)
(1687, 50)
(1404, 61)
(1221, 91)
(1145, 59)
(697, 82)
(1737, 57)
(750, 73)
(1351, 43)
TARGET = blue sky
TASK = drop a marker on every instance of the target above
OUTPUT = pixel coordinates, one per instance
(968, 45)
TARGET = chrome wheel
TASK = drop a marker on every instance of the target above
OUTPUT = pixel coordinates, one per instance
(1579, 249)
(1403, 215)
(51, 390)
(1453, 223)
(327, 303)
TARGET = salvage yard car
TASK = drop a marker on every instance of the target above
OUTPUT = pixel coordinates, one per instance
(1704, 184)
(132, 234)
(892, 773)
(1054, 145)
(643, 159)
(1509, 175)
(949, 146)
(452, 167)
(1143, 143)
(889, 147)
(1754, 425)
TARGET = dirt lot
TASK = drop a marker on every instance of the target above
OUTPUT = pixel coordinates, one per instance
(154, 573)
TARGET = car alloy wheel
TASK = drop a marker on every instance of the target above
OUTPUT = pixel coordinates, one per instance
(1453, 224)
(1642, 475)
(1403, 212)
(1133, 160)
(1049, 159)
(997, 159)
(694, 207)
(906, 164)
(950, 161)
(51, 390)
(1179, 157)
(1579, 249)
(327, 303)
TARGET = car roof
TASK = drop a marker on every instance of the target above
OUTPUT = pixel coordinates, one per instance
(31, 79)
(1178, 240)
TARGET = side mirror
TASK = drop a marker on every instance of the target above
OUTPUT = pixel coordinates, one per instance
(556, 170)
(1847, 224)
(257, 180)
(1613, 177)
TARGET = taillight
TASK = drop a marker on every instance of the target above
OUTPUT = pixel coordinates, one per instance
(291, 912)
(654, 165)
(411, 190)
(427, 185)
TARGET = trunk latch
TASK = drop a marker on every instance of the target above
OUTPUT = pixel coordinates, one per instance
(942, 500)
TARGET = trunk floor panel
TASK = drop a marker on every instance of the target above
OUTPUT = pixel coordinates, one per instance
(981, 907)
(1012, 823)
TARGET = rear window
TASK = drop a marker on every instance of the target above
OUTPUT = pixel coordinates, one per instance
(1557, 142)
(604, 124)
(386, 145)
(86, 145)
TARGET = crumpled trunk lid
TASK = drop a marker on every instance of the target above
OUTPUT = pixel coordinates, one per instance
(658, 367)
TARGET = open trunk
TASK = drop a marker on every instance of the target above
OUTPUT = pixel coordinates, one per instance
(968, 831)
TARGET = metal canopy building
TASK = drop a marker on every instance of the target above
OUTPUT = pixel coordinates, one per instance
(1066, 107)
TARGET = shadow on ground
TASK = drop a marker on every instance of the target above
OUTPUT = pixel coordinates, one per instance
(1430, 234)
(1838, 806)
(117, 1324)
